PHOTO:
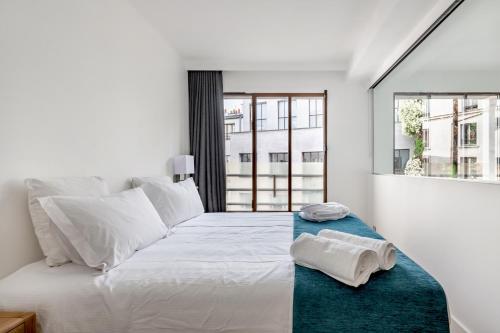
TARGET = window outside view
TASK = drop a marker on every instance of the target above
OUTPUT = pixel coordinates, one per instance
(307, 152)
(447, 135)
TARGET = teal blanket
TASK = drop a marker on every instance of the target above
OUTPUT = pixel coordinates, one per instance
(403, 299)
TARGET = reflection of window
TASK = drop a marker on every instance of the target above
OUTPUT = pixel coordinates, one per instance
(468, 166)
(261, 116)
(468, 134)
(283, 115)
(228, 129)
(401, 157)
(315, 113)
(471, 104)
(312, 156)
(425, 137)
(245, 157)
(278, 157)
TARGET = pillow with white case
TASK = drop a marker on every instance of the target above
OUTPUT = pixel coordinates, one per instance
(53, 244)
(107, 230)
(176, 202)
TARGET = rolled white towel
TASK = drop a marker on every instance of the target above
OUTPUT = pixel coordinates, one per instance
(386, 252)
(324, 211)
(347, 263)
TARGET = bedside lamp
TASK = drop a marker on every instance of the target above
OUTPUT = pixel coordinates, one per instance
(183, 165)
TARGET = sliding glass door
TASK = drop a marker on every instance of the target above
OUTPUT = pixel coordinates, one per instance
(238, 146)
(275, 151)
(308, 153)
(272, 153)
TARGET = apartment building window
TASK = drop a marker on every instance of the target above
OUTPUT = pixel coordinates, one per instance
(278, 157)
(312, 156)
(468, 134)
(228, 129)
(245, 157)
(261, 116)
(471, 104)
(465, 140)
(282, 115)
(315, 113)
(468, 167)
(425, 137)
(401, 157)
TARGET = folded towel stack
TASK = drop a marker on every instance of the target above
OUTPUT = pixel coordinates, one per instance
(344, 262)
(386, 252)
(324, 212)
(345, 257)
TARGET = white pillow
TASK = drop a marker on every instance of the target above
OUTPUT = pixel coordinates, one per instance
(54, 246)
(160, 180)
(176, 202)
(106, 231)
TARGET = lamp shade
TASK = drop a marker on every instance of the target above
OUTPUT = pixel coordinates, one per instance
(184, 164)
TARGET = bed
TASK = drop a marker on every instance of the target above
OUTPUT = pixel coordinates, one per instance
(226, 272)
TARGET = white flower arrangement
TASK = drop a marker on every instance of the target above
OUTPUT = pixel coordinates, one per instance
(414, 167)
(411, 114)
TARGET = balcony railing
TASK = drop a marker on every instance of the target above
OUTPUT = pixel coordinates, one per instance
(273, 187)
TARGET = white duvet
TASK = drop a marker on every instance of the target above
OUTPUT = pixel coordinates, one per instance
(221, 272)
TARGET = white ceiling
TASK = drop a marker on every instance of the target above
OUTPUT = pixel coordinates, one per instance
(357, 36)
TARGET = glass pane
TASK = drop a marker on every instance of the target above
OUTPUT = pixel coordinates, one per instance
(238, 134)
(272, 155)
(307, 152)
(447, 136)
(478, 146)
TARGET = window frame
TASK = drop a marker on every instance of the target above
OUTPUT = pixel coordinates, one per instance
(245, 157)
(253, 123)
(398, 95)
(278, 157)
(228, 130)
(318, 156)
(315, 115)
(259, 108)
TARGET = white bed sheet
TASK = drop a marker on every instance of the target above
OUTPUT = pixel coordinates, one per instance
(219, 272)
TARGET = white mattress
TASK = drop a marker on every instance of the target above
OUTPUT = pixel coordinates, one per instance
(220, 272)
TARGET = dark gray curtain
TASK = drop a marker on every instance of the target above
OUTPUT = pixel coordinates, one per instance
(207, 141)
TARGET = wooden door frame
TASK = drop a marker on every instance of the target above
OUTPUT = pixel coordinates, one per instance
(253, 120)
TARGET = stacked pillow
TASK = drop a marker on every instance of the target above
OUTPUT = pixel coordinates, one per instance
(107, 230)
(175, 203)
(54, 246)
(76, 219)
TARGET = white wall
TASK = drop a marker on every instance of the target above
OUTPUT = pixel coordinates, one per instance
(451, 228)
(86, 88)
(348, 126)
